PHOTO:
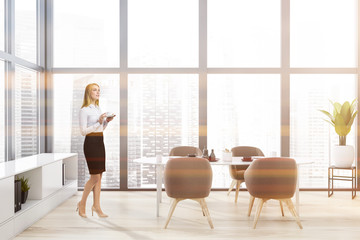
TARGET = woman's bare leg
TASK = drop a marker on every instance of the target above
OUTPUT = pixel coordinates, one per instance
(94, 179)
(96, 194)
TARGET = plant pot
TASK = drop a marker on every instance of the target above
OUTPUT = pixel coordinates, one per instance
(342, 156)
(24, 196)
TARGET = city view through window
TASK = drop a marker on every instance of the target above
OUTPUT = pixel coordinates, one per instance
(217, 78)
(163, 108)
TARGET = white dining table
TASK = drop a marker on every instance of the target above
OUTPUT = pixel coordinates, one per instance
(160, 161)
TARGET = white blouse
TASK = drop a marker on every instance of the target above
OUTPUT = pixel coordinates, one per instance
(88, 119)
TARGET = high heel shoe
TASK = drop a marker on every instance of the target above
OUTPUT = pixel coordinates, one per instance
(98, 212)
(78, 210)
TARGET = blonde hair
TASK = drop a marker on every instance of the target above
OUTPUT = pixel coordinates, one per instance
(87, 98)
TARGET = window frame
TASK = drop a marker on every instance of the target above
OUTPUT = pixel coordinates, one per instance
(285, 71)
(10, 59)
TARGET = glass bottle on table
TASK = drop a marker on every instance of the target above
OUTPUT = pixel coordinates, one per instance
(205, 153)
(212, 155)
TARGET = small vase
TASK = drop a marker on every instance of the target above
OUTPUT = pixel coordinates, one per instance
(212, 156)
(205, 153)
(342, 156)
(24, 196)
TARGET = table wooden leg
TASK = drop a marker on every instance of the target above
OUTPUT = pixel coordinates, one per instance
(297, 194)
(329, 179)
(353, 183)
(158, 184)
(330, 182)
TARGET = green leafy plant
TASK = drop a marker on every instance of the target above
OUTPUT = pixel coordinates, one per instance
(342, 118)
(24, 184)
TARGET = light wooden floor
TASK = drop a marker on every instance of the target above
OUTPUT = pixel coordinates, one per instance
(132, 216)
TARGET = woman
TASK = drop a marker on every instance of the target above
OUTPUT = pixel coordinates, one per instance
(92, 125)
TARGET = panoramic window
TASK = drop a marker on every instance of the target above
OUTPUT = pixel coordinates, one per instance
(26, 30)
(163, 112)
(86, 33)
(244, 33)
(243, 110)
(320, 39)
(26, 112)
(2, 25)
(163, 33)
(2, 112)
(311, 137)
(242, 68)
(68, 98)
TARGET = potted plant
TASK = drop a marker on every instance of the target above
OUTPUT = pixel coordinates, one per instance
(24, 188)
(342, 118)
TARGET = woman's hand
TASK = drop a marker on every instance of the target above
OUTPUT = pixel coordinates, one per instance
(101, 118)
(109, 119)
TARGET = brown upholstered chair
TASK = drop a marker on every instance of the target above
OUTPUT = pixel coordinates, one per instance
(272, 178)
(188, 178)
(185, 150)
(237, 171)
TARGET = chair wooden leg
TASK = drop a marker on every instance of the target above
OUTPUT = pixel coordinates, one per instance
(281, 207)
(293, 211)
(171, 210)
(207, 213)
(251, 204)
(238, 183)
(231, 186)
(258, 211)
(202, 207)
